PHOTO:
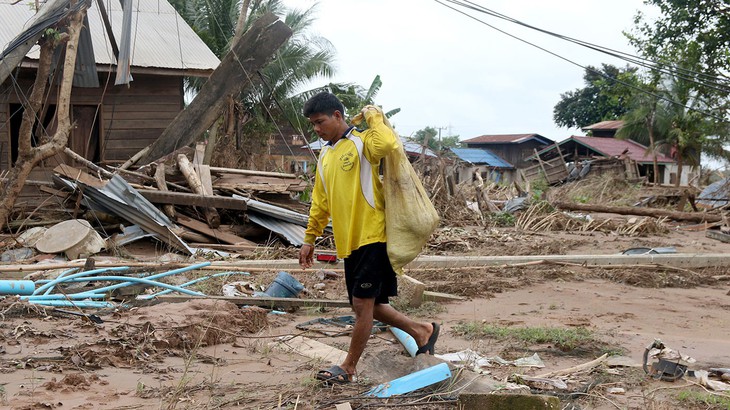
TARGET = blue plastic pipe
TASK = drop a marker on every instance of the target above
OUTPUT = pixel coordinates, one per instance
(186, 284)
(78, 304)
(413, 381)
(126, 281)
(64, 273)
(159, 275)
(406, 340)
(17, 287)
(53, 283)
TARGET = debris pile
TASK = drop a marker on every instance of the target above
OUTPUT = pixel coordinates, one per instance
(178, 201)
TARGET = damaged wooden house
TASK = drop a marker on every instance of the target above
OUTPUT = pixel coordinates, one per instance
(128, 84)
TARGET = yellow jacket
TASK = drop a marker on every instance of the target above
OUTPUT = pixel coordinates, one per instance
(347, 187)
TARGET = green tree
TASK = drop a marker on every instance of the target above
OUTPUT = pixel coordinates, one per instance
(604, 97)
(690, 44)
(647, 122)
(429, 136)
(703, 25)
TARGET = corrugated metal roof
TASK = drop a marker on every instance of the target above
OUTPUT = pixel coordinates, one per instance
(160, 37)
(507, 139)
(119, 198)
(612, 147)
(481, 156)
(605, 125)
(292, 232)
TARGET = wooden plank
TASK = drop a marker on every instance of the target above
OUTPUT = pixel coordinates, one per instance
(183, 198)
(169, 107)
(135, 124)
(54, 192)
(720, 236)
(259, 301)
(312, 348)
(441, 297)
(141, 115)
(214, 233)
(79, 175)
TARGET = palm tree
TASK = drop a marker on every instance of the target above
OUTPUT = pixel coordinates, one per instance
(647, 123)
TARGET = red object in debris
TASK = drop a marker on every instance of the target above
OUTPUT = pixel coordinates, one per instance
(326, 258)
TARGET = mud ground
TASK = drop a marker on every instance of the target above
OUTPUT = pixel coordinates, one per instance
(206, 355)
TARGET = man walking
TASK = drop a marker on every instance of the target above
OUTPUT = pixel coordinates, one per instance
(347, 190)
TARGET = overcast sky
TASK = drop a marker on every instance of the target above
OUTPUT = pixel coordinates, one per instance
(444, 69)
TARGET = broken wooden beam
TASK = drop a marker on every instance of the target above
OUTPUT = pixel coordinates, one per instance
(720, 236)
(630, 210)
(169, 209)
(182, 198)
(211, 214)
(284, 303)
(237, 69)
(213, 233)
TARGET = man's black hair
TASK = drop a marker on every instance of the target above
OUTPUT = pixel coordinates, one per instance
(323, 103)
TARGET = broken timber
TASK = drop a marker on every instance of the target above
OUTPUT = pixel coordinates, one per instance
(631, 210)
(211, 214)
(258, 301)
(183, 198)
(214, 233)
(234, 74)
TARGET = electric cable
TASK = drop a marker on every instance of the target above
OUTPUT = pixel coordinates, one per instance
(586, 68)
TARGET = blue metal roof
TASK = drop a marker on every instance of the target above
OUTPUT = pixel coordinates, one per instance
(480, 156)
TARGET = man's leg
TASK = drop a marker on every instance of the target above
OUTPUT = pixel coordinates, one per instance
(360, 333)
(420, 331)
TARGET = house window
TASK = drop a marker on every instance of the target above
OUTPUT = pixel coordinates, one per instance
(297, 140)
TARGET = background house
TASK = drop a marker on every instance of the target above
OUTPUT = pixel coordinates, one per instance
(577, 149)
(112, 122)
(604, 129)
(513, 148)
(486, 163)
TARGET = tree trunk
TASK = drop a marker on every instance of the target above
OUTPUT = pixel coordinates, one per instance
(241, 23)
(653, 149)
(631, 210)
(679, 167)
(236, 72)
(28, 156)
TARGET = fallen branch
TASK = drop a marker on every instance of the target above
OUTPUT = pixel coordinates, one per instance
(630, 210)
(575, 369)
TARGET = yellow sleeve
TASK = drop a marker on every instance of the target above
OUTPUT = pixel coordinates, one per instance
(318, 212)
(379, 139)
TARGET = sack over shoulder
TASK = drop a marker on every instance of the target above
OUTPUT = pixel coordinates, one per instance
(410, 217)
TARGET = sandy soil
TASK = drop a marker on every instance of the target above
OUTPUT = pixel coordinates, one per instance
(216, 355)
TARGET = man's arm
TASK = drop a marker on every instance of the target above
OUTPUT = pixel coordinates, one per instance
(318, 219)
(380, 140)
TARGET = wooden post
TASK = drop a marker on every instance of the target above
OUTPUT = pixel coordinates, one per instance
(162, 186)
(211, 215)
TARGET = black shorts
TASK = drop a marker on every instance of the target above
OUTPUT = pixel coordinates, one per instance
(369, 275)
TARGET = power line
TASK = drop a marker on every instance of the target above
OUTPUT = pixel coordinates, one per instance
(717, 83)
(586, 68)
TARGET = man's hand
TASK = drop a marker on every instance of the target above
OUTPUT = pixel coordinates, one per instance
(367, 108)
(306, 256)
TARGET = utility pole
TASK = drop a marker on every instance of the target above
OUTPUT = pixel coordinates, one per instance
(440, 128)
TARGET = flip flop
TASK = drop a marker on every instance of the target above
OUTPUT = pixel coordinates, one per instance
(430, 346)
(334, 375)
